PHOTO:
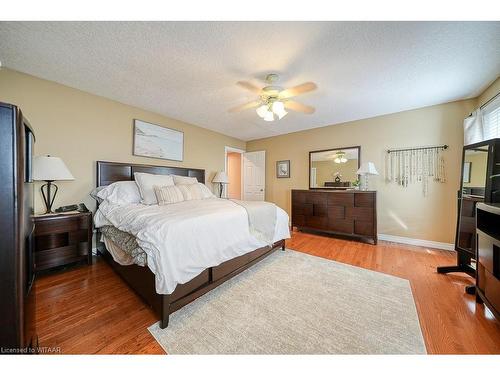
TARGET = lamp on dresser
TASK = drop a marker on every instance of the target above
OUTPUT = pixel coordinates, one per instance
(366, 169)
(49, 169)
(222, 179)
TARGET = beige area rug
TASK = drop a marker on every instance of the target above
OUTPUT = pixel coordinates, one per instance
(294, 303)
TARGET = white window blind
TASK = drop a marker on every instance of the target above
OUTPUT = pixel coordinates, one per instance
(491, 119)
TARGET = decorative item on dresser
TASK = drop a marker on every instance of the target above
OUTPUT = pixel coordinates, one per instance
(17, 286)
(367, 169)
(49, 169)
(350, 213)
(62, 239)
(488, 256)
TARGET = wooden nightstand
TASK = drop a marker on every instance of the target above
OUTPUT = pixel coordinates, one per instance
(62, 239)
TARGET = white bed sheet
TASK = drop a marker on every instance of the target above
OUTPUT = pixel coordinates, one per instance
(183, 239)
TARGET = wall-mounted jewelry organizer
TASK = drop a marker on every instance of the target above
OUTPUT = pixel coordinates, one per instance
(417, 164)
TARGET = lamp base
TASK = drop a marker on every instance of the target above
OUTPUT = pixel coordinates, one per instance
(364, 182)
(47, 198)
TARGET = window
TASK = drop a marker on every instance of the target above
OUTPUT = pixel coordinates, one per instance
(491, 119)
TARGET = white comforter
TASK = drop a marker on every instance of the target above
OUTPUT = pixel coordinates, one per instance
(183, 239)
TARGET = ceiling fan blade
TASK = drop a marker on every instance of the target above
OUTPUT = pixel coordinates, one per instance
(242, 107)
(297, 90)
(299, 107)
(249, 86)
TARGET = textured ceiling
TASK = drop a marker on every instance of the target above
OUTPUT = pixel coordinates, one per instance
(189, 70)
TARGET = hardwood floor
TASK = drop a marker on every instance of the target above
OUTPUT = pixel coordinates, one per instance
(91, 310)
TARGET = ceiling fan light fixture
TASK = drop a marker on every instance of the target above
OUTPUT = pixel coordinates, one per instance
(340, 157)
(269, 116)
(262, 110)
(279, 109)
(278, 106)
(281, 114)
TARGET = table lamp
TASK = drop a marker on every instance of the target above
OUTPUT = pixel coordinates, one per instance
(222, 179)
(366, 169)
(49, 169)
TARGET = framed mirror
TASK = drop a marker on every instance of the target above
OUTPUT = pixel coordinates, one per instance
(334, 168)
(472, 191)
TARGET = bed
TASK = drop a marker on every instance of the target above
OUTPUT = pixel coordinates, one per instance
(142, 280)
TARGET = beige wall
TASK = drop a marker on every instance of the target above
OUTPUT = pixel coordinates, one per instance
(401, 211)
(234, 174)
(81, 128)
(326, 168)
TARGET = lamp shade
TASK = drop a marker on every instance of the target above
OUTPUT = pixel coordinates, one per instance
(367, 168)
(221, 178)
(50, 168)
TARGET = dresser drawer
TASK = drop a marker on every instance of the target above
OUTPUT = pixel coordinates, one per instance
(316, 222)
(316, 198)
(298, 197)
(360, 213)
(363, 228)
(302, 209)
(336, 212)
(60, 225)
(364, 200)
(298, 220)
(341, 225)
(341, 199)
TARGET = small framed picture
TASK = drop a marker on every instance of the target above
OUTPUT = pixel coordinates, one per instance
(283, 169)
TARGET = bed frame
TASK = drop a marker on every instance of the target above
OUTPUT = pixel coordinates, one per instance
(141, 279)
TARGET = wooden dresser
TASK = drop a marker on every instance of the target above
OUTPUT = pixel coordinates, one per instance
(347, 212)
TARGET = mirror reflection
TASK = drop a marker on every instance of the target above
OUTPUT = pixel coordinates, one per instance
(334, 168)
(474, 171)
(473, 189)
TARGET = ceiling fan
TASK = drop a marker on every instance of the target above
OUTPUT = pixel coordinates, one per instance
(274, 100)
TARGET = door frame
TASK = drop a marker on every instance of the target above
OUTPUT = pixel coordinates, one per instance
(228, 149)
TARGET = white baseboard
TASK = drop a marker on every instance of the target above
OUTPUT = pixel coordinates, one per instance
(416, 242)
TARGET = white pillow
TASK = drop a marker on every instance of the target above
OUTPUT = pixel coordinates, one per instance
(190, 192)
(205, 191)
(146, 181)
(183, 180)
(121, 192)
(168, 194)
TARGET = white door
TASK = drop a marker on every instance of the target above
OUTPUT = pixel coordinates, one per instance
(254, 175)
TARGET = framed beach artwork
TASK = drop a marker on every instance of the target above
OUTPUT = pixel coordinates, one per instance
(155, 141)
(283, 169)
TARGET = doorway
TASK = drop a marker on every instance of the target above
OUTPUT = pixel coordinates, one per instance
(233, 171)
(246, 172)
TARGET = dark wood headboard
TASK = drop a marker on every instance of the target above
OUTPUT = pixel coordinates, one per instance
(109, 172)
